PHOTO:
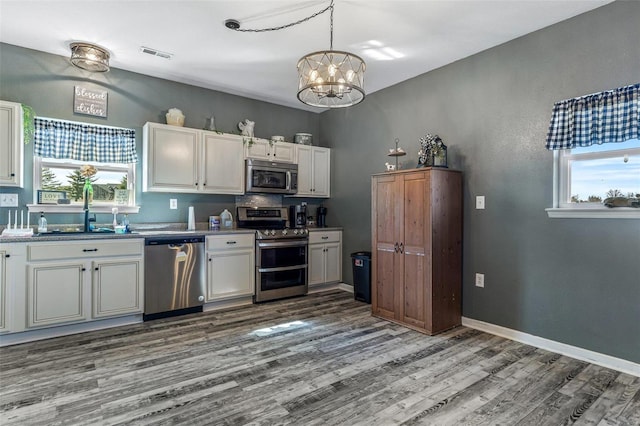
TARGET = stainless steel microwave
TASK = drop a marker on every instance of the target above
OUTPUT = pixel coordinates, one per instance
(271, 177)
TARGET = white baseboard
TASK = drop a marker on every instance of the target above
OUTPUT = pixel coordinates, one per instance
(346, 287)
(557, 347)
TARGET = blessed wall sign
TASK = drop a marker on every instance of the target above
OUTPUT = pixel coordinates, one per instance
(90, 102)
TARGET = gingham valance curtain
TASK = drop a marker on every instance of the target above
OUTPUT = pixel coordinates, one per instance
(611, 116)
(84, 142)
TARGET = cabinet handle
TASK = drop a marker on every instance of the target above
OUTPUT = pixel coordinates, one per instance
(97, 269)
(84, 269)
(231, 242)
(401, 247)
(209, 259)
(395, 247)
(86, 250)
(196, 183)
(204, 184)
(13, 175)
(325, 237)
(7, 255)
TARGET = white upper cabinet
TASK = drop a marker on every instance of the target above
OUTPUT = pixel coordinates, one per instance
(263, 149)
(11, 144)
(314, 168)
(178, 159)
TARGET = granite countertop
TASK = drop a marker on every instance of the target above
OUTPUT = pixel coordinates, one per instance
(140, 231)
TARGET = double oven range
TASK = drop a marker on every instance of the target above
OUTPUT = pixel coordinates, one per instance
(281, 253)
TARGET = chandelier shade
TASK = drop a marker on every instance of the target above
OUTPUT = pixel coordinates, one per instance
(89, 57)
(331, 79)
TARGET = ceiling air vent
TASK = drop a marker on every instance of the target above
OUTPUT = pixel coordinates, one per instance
(154, 52)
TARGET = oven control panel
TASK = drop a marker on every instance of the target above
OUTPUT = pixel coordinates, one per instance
(282, 233)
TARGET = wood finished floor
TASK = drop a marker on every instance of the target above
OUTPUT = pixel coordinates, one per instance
(334, 365)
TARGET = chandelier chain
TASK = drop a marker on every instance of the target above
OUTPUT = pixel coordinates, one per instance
(282, 27)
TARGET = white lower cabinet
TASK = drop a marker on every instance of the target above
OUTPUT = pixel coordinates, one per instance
(4, 325)
(118, 288)
(325, 257)
(77, 281)
(230, 266)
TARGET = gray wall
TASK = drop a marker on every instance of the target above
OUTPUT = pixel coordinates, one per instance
(45, 82)
(571, 280)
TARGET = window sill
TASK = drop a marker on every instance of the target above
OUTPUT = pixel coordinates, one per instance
(595, 213)
(62, 208)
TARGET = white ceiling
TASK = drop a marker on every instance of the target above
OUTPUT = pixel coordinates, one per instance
(424, 34)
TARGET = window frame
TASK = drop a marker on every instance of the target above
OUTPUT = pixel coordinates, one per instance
(562, 183)
(98, 207)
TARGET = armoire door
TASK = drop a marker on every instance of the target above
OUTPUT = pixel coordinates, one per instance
(416, 234)
(386, 209)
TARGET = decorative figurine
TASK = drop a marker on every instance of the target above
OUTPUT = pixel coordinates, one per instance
(175, 117)
(433, 152)
(246, 127)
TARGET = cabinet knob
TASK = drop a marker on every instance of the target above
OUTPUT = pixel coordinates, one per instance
(7, 255)
(83, 269)
(13, 175)
(97, 269)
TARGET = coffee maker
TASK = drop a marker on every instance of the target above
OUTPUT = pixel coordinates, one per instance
(321, 217)
(298, 216)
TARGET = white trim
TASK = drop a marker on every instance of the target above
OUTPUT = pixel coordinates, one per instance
(346, 287)
(553, 346)
(66, 330)
(594, 213)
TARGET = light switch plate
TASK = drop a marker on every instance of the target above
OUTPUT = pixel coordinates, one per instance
(8, 200)
(173, 203)
(480, 202)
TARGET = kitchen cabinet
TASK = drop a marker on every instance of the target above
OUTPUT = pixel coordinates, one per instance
(4, 326)
(314, 167)
(325, 257)
(11, 145)
(183, 160)
(417, 248)
(263, 149)
(77, 281)
(230, 266)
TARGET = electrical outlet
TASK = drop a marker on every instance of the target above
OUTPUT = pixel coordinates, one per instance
(8, 200)
(480, 202)
(479, 280)
(173, 203)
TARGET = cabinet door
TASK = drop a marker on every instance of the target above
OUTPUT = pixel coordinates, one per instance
(230, 273)
(55, 293)
(3, 291)
(305, 170)
(282, 151)
(333, 262)
(387, 272)
(117, 287)
(417, 276)
(258, 149)
(11, 146)
(321, 172)
(170, 158)
(223, 165)
(316, 274)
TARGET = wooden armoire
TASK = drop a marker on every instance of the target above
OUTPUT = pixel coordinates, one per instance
(416, 241)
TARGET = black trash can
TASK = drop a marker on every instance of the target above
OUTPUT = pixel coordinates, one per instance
(361, 262)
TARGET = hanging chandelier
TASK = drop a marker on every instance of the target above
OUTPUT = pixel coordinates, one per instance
(327, 78)
(89, 57)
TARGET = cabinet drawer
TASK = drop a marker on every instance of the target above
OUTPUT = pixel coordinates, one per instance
(83, 249)
(316, 237)
(220, 242)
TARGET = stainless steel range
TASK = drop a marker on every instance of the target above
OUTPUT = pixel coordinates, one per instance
(281, 253)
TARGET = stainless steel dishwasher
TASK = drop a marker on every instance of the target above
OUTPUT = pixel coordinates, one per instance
(174, 276)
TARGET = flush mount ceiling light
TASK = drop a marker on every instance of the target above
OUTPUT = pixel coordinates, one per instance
(328, 78)
(89, 57)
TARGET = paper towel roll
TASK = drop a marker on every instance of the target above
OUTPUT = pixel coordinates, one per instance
(191, 226)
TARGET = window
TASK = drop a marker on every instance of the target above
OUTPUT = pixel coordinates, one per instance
(63, 150)
(595, 141)
(589, 175)
(64, 175)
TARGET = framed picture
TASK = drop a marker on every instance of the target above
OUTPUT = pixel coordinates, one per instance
(121, 197)
(50, 197)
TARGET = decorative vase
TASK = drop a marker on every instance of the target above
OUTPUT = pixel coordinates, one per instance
(87, 192)
(175, 117)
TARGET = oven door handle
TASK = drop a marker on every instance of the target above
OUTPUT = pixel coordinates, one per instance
(298, 243)
(283, 268)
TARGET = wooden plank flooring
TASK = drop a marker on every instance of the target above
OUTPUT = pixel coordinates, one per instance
(334, 364)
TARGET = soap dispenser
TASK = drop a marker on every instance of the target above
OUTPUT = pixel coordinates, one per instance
(226, 219)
